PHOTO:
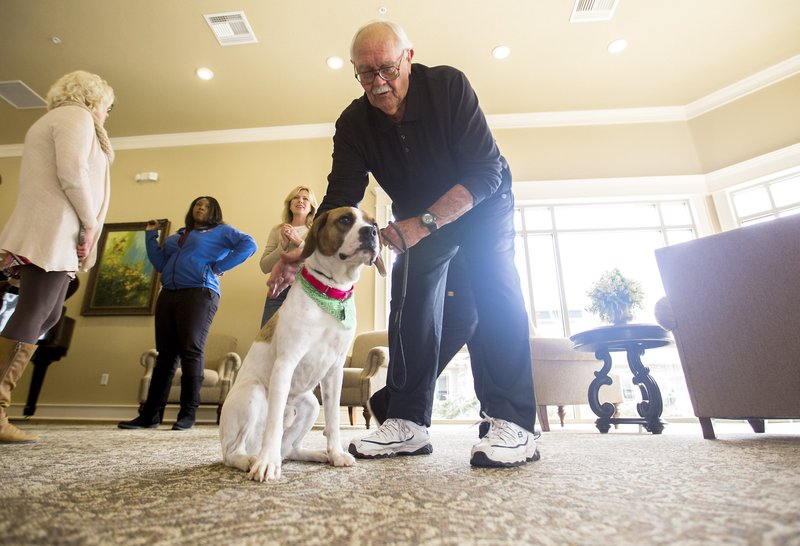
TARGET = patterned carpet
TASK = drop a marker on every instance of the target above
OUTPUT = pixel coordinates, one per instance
(93, 484)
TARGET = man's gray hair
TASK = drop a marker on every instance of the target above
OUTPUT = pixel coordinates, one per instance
(400, 34)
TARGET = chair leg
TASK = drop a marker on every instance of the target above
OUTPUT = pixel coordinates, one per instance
(351, 411)
(708, 428)
(757, 424)
(219, 411)
(561, 414)
(616, 414)
(367, 415)
(544, 422)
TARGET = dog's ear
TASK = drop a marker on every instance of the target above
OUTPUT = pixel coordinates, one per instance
(380, 266)
(311, 239)
(378, 263)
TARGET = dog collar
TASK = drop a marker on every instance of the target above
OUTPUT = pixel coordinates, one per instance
(329, 291)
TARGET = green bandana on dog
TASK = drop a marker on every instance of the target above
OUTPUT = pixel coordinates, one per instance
(342, 310)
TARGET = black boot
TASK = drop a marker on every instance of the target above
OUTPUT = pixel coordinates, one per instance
(190, 400)
(157, 394)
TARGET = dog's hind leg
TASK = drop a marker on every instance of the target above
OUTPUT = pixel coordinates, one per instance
(242, 424)
(306, 412)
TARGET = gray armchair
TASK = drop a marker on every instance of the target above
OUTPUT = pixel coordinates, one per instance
(733, 305)
(364, 372)
(221, 364)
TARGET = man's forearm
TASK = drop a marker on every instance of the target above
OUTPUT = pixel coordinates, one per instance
(450, 206)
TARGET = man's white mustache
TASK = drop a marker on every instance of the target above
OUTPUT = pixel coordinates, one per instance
(381, 89)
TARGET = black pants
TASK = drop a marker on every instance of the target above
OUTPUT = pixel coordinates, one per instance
(183, 318)
(500, 345)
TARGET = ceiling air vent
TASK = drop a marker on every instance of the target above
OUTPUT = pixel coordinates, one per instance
(593, 10)
(231, 28)
(20, 96)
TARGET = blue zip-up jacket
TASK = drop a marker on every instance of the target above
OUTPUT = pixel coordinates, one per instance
(204, 254)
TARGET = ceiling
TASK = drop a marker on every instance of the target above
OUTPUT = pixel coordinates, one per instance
(680, 51)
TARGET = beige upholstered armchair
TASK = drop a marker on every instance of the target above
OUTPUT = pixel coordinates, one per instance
(221, 365)
(733, 305)
(364, 372)
(561, 377)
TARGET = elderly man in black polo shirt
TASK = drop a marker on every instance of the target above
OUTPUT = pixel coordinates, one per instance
(420, 132)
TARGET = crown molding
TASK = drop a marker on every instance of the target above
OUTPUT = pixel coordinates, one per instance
(620, 116)
(751, 170)
(751, 84)
(230, 136)
(530, 120)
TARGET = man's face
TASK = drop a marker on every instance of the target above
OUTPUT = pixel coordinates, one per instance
(378, 50)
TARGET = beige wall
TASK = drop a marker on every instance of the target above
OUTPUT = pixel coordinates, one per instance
(751, 126)
(251, 180)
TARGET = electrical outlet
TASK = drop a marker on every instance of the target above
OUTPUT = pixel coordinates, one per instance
(104, 379)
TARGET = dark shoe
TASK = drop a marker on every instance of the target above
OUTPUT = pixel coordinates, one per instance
(152, 412)
(190, 400)
(143, 421)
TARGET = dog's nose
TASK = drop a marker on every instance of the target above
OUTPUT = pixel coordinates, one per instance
(368, 232)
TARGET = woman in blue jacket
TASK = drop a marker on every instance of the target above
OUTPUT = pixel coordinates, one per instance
(190, 262)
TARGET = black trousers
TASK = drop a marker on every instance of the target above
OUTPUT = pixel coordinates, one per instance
(183, 318)
(499, 347)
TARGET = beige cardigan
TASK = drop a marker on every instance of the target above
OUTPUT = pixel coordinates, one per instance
(272, 250)
(64, 182)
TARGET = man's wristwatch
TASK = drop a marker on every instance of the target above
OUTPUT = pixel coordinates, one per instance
(428, 219)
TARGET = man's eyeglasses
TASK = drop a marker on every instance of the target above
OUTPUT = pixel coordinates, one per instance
(387, 73)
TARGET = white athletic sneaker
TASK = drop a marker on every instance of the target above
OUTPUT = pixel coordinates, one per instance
(394, 437)
(506, 444)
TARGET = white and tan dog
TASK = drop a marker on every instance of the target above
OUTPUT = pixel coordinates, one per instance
(271, 406)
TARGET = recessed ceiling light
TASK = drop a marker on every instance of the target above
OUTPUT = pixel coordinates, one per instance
(204, 73)
(617, 46)
(55, 39)
(501, 52)
(382, 10)
(334, 62)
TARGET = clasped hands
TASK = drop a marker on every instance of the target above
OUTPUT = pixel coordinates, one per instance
(82, 249)
(288, 235)
(398, 236)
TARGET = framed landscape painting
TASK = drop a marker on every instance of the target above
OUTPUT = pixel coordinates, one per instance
(123, 281)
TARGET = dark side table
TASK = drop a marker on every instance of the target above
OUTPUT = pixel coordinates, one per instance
(633, 339)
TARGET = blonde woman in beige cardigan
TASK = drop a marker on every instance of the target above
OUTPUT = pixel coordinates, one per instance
(64, 190)
(287, 238)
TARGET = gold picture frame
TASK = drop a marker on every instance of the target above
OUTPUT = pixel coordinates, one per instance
(123, 281)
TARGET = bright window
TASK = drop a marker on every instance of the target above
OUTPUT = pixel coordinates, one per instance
(767, 200)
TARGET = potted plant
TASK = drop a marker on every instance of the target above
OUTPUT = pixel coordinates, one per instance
(614, 297)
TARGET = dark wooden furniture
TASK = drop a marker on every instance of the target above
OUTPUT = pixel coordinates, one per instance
(634, 340)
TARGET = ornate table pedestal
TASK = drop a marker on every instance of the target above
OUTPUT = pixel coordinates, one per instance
(633, 339)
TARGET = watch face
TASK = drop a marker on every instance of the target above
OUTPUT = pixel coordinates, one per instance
(427, 218)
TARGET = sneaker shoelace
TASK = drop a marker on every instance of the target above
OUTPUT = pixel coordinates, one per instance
(390, 429)
(498, 430)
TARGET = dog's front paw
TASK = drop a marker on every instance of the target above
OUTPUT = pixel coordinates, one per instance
(263, 469)
(341, 458)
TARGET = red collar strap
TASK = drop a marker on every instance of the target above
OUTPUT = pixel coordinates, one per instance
(329, 291)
